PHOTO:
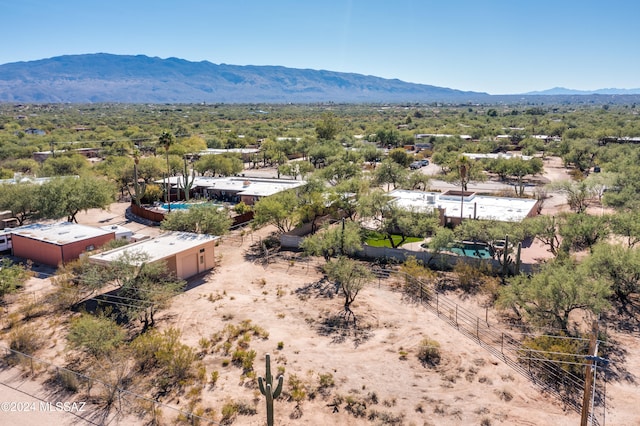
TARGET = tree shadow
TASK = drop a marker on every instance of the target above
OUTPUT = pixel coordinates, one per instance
(323, 288)
(616, 370)
(340, 328)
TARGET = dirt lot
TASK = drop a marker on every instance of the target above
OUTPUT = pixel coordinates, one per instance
(377, 370)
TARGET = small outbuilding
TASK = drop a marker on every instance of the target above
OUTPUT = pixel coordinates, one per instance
(185, 253)
(57, 243)
(121, 232)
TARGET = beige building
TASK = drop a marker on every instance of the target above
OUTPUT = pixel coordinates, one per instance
(185, 253)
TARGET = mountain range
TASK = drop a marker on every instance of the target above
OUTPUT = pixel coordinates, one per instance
(565, 91)
(102, 77)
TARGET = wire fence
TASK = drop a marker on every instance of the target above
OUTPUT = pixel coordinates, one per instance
(548, 371)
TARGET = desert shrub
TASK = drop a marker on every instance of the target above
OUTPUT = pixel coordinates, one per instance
(95, 335)
(229, 412)
(164, 351)
(470, 277)
(244, 359)
(178, 362)
(490, 287)
(152, 194)
(12, 276)
(245, 328)
(145, 348)
(429, 352)
(297, 390)
(241, 208)
(26, 339)
(416, 278)
(215, 375)
(326, 380)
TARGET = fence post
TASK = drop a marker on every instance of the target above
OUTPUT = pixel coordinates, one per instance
(502, 343)
(456, 314)
(478, 329)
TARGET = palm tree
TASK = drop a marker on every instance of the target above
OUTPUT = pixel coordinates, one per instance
(463, 168)
(166, 139)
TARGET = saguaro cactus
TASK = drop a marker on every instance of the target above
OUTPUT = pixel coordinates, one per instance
(139, 188)
(518, 261)
(506, 258)
(187, 182)
(266, 388)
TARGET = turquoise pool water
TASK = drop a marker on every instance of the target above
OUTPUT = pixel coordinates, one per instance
(177, 206)
(471, 249)
(477, 250)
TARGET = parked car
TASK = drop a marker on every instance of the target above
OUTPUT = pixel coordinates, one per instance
(424, 162)
(415, 165)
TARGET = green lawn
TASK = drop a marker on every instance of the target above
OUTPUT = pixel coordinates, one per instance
(376, 240)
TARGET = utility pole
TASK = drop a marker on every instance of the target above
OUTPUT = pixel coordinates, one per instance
(588, 373)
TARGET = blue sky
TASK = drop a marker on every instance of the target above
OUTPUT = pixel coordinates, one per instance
(494, 46)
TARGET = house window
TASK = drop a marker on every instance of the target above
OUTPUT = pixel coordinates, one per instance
(201, 260)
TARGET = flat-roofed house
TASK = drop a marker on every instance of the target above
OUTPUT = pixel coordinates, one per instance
(455, 206)
(236, 189)
(185, 253)
(57, 243)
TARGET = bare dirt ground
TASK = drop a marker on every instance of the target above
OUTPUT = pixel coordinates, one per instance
(378, 368)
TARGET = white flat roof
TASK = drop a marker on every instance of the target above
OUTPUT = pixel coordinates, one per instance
(32, 179)
(59, 233)
(158, 248)
(255, 187)
(230, 150)
(118, 229)
(474, 206)
(259, 187)
(500, 155)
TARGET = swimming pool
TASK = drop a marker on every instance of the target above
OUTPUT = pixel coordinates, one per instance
(476, 250)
